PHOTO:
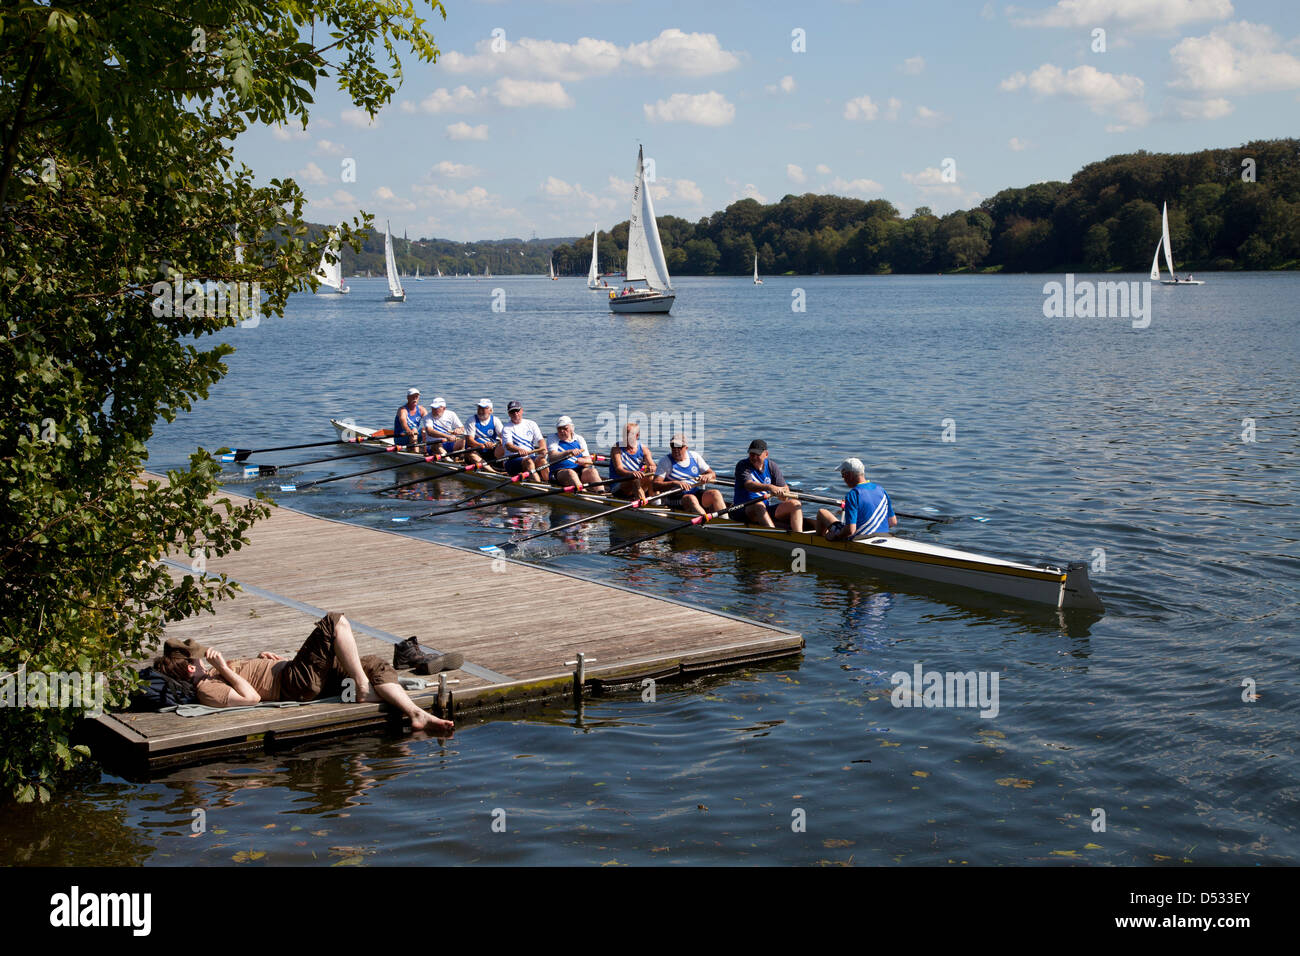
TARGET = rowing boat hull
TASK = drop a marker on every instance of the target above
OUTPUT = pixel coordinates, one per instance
(1061, 587)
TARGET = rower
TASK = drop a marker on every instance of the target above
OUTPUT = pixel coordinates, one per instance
(440, 423)
(406, 425)
(867, 509)
(569, 455)
(756, 474)
(519, 437)
(484, 435)
(684, 469)
(628, 459)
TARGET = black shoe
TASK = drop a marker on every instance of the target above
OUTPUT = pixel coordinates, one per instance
(408, 654)
(443, 662)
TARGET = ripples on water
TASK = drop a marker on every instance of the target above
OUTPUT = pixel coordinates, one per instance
(1072, 435)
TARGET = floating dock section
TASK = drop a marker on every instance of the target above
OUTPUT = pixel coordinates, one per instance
(520, 627)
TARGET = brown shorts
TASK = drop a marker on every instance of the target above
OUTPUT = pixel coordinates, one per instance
(315, 672)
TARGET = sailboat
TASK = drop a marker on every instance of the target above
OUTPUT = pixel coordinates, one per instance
(439, 268)
(1169, 256)
(645, 255)
(417, 274)
(330, 274)
(594, 281)
(552, 267)
(395, 291)
(757, 280)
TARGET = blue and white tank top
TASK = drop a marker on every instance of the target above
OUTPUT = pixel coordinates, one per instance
(632, 460)
(415, 418)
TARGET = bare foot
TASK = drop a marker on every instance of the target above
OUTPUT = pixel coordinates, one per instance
(423, 720)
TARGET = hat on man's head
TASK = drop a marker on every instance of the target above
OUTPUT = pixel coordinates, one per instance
(514, 407)
(564, 421)
(757, 445)
(852, 466)
(438, 402)
(188, 648)
(677, 441)
(412, 391)
(485, 403)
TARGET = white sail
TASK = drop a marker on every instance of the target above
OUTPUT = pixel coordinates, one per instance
(439, 272)
(1155, 264)
(593, 274)
(239, 249)
(1169, 255)
(756, 268)
(330, 274)
(552, 267)
(394, 283)
(645, 254)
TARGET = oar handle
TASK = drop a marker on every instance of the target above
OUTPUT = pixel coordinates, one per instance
(697, 520)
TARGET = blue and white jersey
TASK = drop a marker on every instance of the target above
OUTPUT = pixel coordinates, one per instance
(441, 425)
(415, 419)
(486, 432)
(869, 508)
(576, 444)
(524, 435)
(670, 469)
(631, 460)
(769, 474)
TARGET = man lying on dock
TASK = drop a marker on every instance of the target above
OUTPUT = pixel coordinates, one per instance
(327, 658)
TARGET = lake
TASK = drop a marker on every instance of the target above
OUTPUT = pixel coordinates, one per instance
(1164, 455)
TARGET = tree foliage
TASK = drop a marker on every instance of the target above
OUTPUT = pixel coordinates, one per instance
(118, 120)
(1107, 216)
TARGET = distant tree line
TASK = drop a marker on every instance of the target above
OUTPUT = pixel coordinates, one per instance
(1228, 209)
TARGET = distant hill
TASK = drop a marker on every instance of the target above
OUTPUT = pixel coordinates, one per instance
(1107, 217)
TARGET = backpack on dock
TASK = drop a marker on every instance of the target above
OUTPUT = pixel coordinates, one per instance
(159, 691)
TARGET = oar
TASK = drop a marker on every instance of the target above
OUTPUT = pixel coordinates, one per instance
(264, 470)
(368, 471)
(509, 501)
(698, 519)
(456, 470)
(839, 503)
(510, 481)
(511, 545)
(242, 453)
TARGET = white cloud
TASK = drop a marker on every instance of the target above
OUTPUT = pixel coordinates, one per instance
(1214, 108)
(672, 51)
(931, 176)
(1017, 144)
(525, 93)
(286, 134)
(860, 187)
(892, 108)
(928, 117)
(442, 100)
(329, 148)
(663, 188)
(476, 197)
(913, 65)
(465, 131)
(1158, 15)
(747, 191)
(358, 119)
(795, 174)
(861, 108)
(392, 201)
(786, 85)
(312, 175)
(1237, 58)
(823, 169)
(703, 109)
(1118, 96)
(339, 199)
(555, 188)
(453, 170)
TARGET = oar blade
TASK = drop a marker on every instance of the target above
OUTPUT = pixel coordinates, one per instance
(262, 471)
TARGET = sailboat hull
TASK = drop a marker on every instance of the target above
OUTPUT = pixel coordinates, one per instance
(641, 302)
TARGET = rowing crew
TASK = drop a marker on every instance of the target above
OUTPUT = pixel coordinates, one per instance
(761, 495)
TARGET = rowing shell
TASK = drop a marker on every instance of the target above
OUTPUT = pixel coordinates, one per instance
(1061, 587)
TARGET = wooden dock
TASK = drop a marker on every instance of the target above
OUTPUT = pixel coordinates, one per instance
(514, 622)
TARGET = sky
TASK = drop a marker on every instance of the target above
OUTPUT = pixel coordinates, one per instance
(530, 120)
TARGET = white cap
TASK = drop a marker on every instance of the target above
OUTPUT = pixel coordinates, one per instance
(485, 403)
(564, 420)
(852, 466)
(412, 391)
(438, 403)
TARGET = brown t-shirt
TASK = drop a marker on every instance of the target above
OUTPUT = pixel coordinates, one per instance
(261, 673)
